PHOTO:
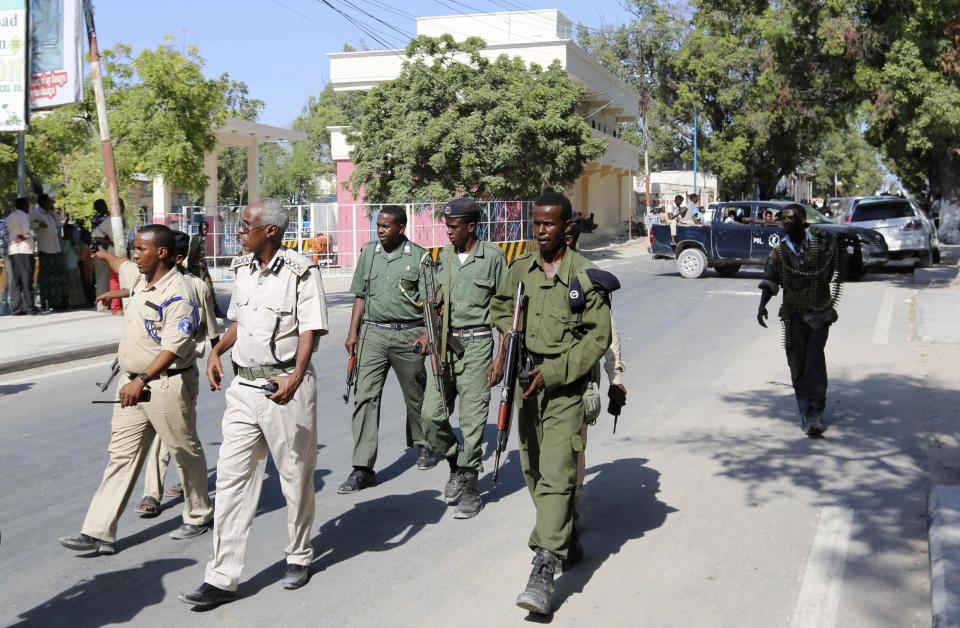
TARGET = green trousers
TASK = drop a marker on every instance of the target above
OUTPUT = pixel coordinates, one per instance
(379, 350)
(550, 444)
(466, 378)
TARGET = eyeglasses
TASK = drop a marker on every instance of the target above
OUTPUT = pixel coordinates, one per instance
(243, 227)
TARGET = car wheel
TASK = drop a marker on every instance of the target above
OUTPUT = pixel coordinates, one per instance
(936, 256)
(925, 259)
(692, 263)
(727, 270)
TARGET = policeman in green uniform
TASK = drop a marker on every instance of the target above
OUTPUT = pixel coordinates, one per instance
(385, 324)
(566, 332)
(470, 273)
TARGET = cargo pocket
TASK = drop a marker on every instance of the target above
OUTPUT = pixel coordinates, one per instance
(577, 442)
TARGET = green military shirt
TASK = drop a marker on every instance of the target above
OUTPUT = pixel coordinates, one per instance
(471, 283)
(550, 324)
(390, 283)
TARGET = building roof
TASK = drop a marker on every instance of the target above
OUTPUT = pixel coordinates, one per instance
(237, 132)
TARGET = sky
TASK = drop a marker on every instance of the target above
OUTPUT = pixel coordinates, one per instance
(279, 47)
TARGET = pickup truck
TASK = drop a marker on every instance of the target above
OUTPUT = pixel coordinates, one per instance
(737, 234)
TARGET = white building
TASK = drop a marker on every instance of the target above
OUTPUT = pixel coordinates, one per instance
(666, 184)
(606, 186)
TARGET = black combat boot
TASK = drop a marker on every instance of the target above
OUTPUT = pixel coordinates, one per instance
(538, 596)
(454, 487)
(470, 503)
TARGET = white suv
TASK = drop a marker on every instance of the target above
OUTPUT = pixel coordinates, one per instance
(905, 227)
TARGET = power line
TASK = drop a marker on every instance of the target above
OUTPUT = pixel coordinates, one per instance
(310, 19)
(369, 31)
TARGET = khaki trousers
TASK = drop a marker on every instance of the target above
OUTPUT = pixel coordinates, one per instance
(172, 414)
(252, 427)
(155, 469)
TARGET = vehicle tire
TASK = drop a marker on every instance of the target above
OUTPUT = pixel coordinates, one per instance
(692, 263)
(936, 256)
(727, 270)
(925, 259)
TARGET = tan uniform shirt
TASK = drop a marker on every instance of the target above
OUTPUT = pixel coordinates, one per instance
(159, 318)
(209, 328)
(273, 306)
(613, 358)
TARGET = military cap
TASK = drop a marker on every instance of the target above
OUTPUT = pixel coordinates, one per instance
(181, 242)
(464, 207)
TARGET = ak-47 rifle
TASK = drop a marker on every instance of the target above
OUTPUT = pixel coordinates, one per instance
(114, 371)
(351, 376)
(431, 318)
(514, 343)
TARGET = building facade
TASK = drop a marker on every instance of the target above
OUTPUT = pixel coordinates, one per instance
(605, 188)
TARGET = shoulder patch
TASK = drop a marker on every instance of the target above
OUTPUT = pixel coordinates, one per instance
(241, 260)
(185, 326)
(296, 262)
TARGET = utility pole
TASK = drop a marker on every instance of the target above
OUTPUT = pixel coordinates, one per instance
(646, 142)
(695, 149)
(106, 145)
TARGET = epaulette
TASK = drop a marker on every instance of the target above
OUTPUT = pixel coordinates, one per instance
(296, 262)
(520, 257)
(241, 260)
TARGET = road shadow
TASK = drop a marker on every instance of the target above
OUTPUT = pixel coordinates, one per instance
(377, 525)
(407, 460)
(114, 597)
(873, 460)
(619, 505)
(13, 389)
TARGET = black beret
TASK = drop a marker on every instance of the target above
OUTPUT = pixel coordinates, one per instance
(462, 208)
(181, 242)
(602, 280)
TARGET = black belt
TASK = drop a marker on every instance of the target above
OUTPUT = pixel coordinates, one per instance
(397, 325)
(168, 372)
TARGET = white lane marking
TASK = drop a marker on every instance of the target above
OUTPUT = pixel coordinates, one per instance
(881, 333)
(738, 293)
(51, 373)
(819, 596)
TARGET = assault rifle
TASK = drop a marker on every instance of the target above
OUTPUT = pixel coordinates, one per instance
(514, 343)
(431, 317)
(351, 376)
(114, 371)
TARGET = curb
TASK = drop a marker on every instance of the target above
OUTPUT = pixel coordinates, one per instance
(45, 359)
(943, 512)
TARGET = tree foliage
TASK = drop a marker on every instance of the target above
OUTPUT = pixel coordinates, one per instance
(846, 155)
(455, 122)
(162, 114)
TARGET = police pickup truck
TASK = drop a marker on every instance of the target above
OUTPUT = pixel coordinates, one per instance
(742, 233)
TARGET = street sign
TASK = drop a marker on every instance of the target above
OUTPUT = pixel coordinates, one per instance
(56, 64)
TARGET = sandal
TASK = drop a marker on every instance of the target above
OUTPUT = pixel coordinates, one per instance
(149, 507)
(174, 491)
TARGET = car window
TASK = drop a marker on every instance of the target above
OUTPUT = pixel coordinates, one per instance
(882, 210)
(816, 218)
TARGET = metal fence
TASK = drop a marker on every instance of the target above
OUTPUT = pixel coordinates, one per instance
(333, 234)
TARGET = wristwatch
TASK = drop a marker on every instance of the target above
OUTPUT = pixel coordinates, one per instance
(143, 377)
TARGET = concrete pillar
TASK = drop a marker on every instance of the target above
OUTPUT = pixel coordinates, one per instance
(161, 199)
(211, 193)
(253, 172)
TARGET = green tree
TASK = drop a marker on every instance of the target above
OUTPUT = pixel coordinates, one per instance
(162, 114)
(288, 172)
(847, 156)
(454, 122)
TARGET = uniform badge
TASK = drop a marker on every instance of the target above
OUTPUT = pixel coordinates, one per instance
(185, 326)
(574, 295)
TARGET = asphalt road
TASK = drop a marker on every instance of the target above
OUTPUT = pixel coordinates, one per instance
(707, 508)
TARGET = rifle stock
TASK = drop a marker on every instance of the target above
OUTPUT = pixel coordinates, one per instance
(114, 371)
(514, 343)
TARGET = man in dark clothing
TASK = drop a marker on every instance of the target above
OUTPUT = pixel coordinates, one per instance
(804, 265)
